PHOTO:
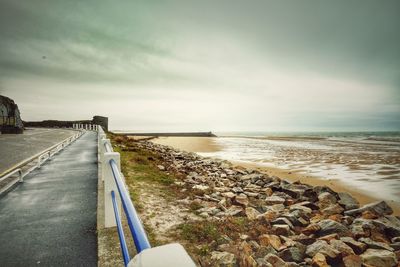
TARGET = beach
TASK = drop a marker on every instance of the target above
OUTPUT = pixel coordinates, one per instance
(216, 147)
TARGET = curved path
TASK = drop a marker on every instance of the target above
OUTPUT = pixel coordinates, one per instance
(50, 219)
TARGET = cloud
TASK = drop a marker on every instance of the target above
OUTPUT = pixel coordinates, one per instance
(226, 65)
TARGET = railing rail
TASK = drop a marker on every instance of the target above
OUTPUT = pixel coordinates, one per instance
(40, 159)
(165, 256)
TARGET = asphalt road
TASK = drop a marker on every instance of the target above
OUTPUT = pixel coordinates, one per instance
(15, 148)
(50, 219)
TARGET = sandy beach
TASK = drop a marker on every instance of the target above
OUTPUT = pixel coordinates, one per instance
(209, 144)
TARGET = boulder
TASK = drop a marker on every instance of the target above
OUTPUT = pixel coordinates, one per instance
(272, 240)
(241, 200)
(342, 247)
(352, 261)
(252, 213)
(348, 201)
(321, 246)
(274, 200)
(319, 260)
(358, 247)
(294, 253)
(330, 227)
(333, 209)
(379, 257)
(223, 259)
(380, 208)
(326, 199)
(275, 261)
(374, 244)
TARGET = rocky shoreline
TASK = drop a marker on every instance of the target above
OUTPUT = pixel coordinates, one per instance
(301, 225)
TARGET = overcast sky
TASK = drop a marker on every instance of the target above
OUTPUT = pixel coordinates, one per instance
(205, 65)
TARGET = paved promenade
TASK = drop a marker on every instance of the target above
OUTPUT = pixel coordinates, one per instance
(15, 148)
(50, 219)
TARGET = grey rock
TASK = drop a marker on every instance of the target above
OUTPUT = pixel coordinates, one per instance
(380, 208)
(379, 257)
(321, 246)
(274, 200)
(330, 227)
(294, 253)
(348, 201)
(373, 244)
(326, 199)
(223, 259)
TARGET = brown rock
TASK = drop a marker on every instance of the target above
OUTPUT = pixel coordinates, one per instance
(241, 200)
(321, 246)
(311, 229)
(252, 213)
(274, 200)
(333, 209)
(319, 260)
(358, 247)
(269, 215)
(275, 261)
(272, 240)
(342, 247)
(326, 199)
(281, 229)
(380, 208)
(352, 261)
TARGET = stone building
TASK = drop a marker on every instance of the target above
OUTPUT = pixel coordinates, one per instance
(10, 118)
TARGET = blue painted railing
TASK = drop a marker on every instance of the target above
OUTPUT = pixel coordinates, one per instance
(136, 228)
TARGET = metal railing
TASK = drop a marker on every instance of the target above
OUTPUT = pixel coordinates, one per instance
(40, 158)
(114, 182)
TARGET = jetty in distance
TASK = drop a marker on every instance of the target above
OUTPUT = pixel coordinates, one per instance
(177, 134)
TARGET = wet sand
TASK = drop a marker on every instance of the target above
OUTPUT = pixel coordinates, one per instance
(208, 144)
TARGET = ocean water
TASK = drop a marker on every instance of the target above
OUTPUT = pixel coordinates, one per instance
(368, 161)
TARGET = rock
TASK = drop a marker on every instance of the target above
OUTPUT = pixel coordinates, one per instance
(261, 262)
(311, 229)
(348, 201)
(321, 246)
(269, 215)
(241, 200)
(333, 209)
(319, 260)
(326, 199)
(248, 261)
(294, 253)
(272, 240)
(352, 261)
(275, 261)
(234, 211)
(281, 229)
(379, 257)
(228, 194)
(282, 220)
(161, 167)
(201, 187)
(274, 200)
(342, 247)
(330, 226)
(223, 259)
(380, 208)
(390, 224)
(358, 247)
(252, 213)
(373, 244)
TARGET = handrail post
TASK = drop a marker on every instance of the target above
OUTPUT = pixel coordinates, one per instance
(102, 154)
(109, 185)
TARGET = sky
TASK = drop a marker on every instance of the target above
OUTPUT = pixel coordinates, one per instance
(273, 65)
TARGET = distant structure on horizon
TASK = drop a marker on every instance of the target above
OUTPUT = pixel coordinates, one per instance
(10, 117)
(99, 120)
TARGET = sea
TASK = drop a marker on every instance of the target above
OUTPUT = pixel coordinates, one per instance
(368, 161)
